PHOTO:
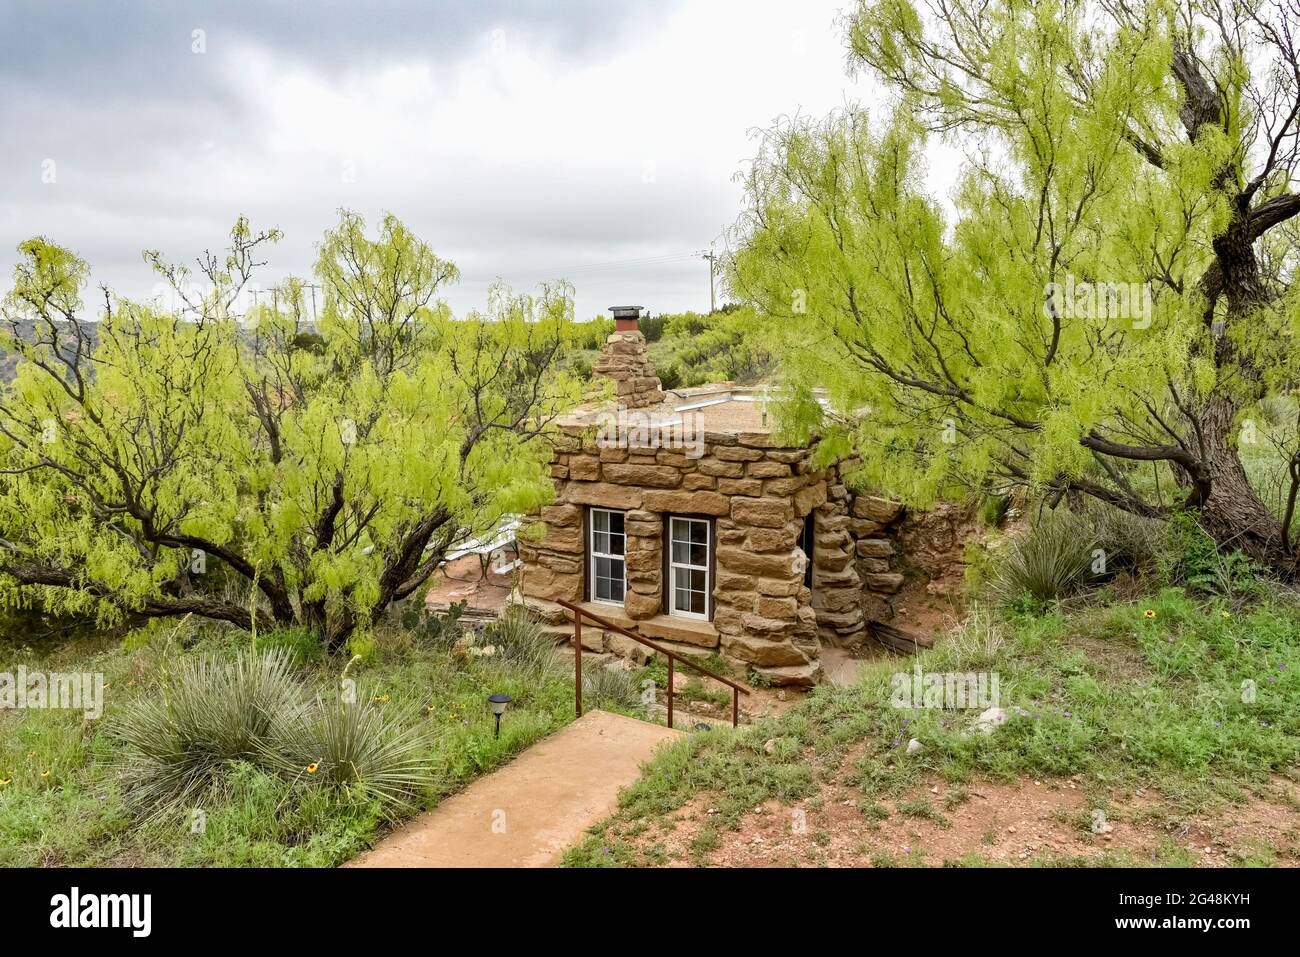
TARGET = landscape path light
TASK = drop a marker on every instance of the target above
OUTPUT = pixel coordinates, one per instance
(499, 702)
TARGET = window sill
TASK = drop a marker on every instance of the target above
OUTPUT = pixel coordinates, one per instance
(672, 628)
(683, 631)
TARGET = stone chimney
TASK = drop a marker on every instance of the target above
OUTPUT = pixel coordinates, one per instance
(625, 360)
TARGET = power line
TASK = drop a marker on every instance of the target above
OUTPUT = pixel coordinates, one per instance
(589, 267)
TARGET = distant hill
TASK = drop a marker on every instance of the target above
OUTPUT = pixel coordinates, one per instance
(27, 332)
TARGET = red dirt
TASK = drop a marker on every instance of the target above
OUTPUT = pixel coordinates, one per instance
(1038, 821)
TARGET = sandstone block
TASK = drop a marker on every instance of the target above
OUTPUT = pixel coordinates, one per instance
(654, 476)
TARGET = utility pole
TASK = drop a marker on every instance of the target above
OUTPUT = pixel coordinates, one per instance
(712, 258)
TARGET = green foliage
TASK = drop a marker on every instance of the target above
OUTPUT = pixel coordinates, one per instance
(257, 812)
(1190, 557)
(1145, 694)
(300, 645)
(433, 629)
(342, 744)
(695, 349)
(1053, 559)
(207, 714)
(320, 472)
(993, 510)
(1057, 330)
(611, 688)
(520, 639)
(591, 335)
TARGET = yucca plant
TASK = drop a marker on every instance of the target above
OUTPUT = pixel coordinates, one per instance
(519, 639)
(1049, 562)
(356, 745)
(610, 687)
(208, 714)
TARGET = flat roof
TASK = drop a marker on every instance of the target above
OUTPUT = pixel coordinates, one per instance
(719, 407)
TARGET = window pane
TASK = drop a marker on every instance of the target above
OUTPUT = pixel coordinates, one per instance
(599, 521)
(608, 585)
(615, 522)
(697, 581)
(600, 542)
(698, 603)
(617, 544)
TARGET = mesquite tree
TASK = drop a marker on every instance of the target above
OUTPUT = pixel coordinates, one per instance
(246, 464)
(1109, 301)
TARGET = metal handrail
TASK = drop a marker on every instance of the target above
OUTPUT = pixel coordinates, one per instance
(579, 612)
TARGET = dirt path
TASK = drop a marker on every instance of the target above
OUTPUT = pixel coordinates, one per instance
(528, 812)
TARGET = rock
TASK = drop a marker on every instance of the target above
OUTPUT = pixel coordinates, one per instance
(875, 548)
(687, 503)
(795, 676)
(638, 606)
(764, 512)
(914, 746)
(584, 467)
(769, 746)
(605, 495)
(626, 648)
(766, 470)
(654, 476)
(805, 500)
(887, 582)
(763, 653)
(990, 719)
(744, 562)
(875, 509)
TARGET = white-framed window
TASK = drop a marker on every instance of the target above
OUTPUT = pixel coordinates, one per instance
(607, 566)
(688, 567)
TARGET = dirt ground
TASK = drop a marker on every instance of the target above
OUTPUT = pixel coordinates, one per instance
(1029, 822)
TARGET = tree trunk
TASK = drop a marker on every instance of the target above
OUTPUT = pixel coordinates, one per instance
(1232, 513)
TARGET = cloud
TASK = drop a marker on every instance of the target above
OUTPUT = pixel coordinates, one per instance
(529, 141)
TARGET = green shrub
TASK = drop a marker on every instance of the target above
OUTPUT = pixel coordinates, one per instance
(652, 327)
(976, 643)
(993, 510)
(1047, 563)
(1191, 558)
(301, 645)
(208, 714)
(435, 630)
(519, 639)
(345, 745)
(1129, 541)
(611, 688)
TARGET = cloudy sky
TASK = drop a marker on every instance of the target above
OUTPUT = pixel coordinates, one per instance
(594, 140)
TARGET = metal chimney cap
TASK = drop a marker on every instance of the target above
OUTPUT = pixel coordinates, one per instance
(626, 312)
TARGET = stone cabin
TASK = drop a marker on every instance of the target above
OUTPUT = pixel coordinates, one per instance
(678, 515)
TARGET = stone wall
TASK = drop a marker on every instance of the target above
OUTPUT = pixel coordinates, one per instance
(624, 359)
(758, 495)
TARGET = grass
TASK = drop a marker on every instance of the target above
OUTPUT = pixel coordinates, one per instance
(65, 804)
(1197, 699)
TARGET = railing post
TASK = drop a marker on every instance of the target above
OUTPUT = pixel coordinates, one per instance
(577, 663)
(670, 690)
(735, 708)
